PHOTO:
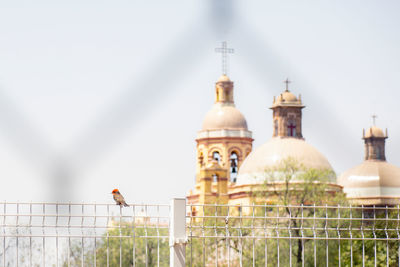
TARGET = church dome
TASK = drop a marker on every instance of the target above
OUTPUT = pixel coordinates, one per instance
(372, 182)
(287, 97)
(375, 181)
(223, 78)
(371, 173)
(273, 152)
(374, 132)
(224, 116)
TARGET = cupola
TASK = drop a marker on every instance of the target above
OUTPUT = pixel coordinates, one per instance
(374, 181)
(287, 142)
(287, 114)
(224, 90)
(374, 140)
(224, 135)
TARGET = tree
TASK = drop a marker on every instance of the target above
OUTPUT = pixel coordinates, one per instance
(140, 244)
(299, 194)
(297, 190)
(285, 206)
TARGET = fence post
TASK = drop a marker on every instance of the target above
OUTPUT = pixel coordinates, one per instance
(177, 233)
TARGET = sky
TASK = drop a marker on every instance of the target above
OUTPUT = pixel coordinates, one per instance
(97, 95)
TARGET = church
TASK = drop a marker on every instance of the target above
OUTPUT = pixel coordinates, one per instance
(228, 168)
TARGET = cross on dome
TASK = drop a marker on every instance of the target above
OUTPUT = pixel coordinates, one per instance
(224, 50)
(287, 81)
(374, 119)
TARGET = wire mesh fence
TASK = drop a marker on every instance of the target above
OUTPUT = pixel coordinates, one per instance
(72, 234)
(274, 235)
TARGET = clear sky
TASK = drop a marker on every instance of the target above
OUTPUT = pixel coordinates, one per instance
(111, 94)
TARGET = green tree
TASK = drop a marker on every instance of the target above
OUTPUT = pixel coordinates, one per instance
(297, 191)
(373, 237)
(126, 245)
(284, 206)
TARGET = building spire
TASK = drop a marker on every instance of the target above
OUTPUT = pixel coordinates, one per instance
(224, 50)
(374, 119)
(287, 81)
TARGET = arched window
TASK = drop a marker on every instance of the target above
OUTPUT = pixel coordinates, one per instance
(291, 128)
(215, 178)
(217, 156)
(234, 166)
(378, 153)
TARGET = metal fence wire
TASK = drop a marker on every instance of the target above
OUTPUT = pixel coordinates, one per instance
(180, 234)
(276, 235)
(71, 234)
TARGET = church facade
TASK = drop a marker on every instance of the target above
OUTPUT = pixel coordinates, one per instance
(228, 170)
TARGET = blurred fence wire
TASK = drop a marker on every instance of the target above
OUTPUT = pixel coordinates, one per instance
(81, 234)
(221, 20)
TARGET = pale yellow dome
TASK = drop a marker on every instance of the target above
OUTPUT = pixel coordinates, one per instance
(224, 116)
(371, 173)
(287, 97)
(373, 182)
(374, 132)
(223, 78)
(273, 152)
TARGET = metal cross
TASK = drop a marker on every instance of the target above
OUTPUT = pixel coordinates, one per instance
(374, 118)
(224, 50)
(287, 83)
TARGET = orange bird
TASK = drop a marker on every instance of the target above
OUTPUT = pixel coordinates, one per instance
(119, 199)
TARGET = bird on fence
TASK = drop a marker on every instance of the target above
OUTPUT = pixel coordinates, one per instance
(119, 199)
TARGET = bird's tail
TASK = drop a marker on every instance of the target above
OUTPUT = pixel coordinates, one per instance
(126, 205)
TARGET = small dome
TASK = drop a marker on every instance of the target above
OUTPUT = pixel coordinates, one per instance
(374, 132)
(274, 151)
(287, 97)
(373, 182)
(224, 116)
(371, 173)
(223, 78)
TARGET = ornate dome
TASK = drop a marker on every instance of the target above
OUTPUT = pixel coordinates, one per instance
(224, 116)
(274, 151)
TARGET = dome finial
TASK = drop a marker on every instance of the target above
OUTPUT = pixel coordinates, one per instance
(287, 81)
(224, 50)
(374, 119)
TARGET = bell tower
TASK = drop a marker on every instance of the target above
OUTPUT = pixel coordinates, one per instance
(287, 112)
(222, 144)
(224, 136)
